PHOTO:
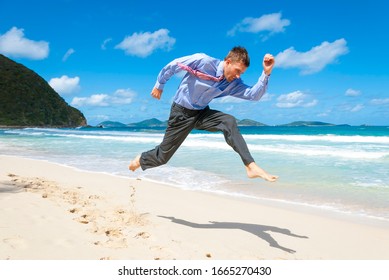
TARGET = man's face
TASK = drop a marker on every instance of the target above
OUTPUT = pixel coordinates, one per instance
(233, 70)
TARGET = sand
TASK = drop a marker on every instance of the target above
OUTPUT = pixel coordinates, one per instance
(53, 212)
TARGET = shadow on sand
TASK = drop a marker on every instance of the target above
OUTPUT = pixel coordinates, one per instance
(262, 231)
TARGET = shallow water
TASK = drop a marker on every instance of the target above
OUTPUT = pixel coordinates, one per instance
(339, 168)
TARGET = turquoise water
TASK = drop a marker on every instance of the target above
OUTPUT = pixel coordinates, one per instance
(339, 168)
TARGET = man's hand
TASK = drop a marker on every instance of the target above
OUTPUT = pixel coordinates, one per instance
(268, 63)
(156, 93)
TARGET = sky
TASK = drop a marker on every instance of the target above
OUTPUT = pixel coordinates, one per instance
(103, 57)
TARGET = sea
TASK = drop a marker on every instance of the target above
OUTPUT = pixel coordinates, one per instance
(336, 168)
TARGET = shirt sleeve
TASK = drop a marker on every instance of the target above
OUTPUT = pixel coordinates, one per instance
(253, 93)
(172, 68)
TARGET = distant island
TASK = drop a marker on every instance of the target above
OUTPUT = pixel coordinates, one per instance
(149, 123)
(27, 100)
(310, 123)
(155, 123)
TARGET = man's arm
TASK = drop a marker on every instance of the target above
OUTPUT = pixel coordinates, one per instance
(171, 69)
(255, 92)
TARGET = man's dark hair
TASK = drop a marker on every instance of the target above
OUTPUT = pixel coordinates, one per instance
(239, 54)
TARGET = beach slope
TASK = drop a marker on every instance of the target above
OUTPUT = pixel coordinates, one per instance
(55, 212)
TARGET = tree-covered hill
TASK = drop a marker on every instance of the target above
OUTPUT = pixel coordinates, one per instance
(26, 99)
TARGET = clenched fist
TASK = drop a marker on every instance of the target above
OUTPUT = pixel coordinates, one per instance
(268, 63)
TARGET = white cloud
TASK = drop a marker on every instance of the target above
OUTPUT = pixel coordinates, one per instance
(119, 97)
(267, 97)
(295, 99)
(68, 53)
(231, 99)
(99, 100)
(229, 108)
(13, 43)
(104, 44)
(313, 60)
(123, 96)
(325, 113)
(144, 44)
(228, 99)
(65, 84)
(352, 92)
(380, 101)
(357, 108)
(272, 23)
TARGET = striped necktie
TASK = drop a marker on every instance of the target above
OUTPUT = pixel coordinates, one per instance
(200, 74)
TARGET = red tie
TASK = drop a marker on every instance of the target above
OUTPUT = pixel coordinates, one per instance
(200, 74)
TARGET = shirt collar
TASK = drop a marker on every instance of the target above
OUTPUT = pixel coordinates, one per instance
(220, 69)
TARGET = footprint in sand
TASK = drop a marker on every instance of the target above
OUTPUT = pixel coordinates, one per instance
(116, 243)
(115, 240)
(86, 218)
(114, 232)
(143, 235)
(109, 223)
(74, 210)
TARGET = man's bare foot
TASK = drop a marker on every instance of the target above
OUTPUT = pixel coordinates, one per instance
(254, 171)
(134, 164)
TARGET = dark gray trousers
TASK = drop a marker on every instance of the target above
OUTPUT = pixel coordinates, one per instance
(182, 121)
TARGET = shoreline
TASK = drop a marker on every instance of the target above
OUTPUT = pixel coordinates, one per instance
(269, 201)
(51, 211)
(320, 209)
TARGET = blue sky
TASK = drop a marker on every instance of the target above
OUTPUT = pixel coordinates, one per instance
(103, 57)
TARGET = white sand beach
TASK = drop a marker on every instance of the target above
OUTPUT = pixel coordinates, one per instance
(53, 212)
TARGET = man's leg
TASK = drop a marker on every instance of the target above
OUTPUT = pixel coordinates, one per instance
(213, 120)
(180, 124)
